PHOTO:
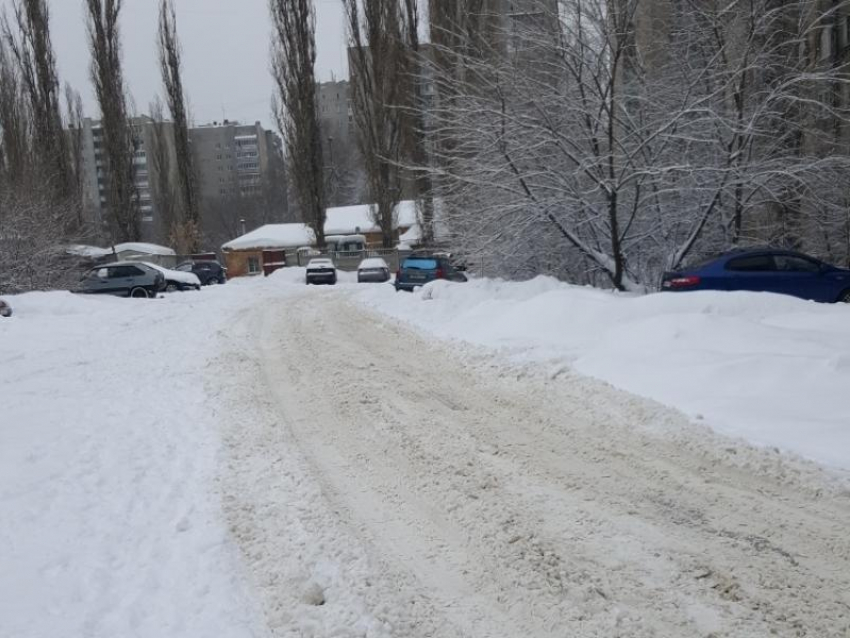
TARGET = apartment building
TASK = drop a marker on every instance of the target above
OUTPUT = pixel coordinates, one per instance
(335, 113)
(96, 172)
(240, 171)
(233, 158)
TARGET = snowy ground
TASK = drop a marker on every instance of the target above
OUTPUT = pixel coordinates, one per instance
(110, 526)
(774, 370)
(263, 460)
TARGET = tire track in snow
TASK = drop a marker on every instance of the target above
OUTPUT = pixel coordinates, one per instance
(483, 504)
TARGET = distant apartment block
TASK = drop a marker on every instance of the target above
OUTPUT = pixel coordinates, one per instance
(335, 113)
(233, 158)
(240, 172)
(96, 172)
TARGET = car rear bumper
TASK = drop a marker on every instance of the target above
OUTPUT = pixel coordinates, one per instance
(372, 278)
(321, 277)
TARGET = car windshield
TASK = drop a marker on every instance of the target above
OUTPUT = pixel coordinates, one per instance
(420, 263)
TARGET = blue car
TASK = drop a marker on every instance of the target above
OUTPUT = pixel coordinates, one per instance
(765, 270)
(419, 269)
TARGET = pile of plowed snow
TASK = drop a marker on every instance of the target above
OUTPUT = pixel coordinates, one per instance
(772, 369)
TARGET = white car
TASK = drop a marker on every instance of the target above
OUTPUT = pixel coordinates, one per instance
(321, 271)
(373, 270)
(177, 279)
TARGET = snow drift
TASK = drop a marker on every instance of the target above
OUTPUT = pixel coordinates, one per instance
(772, 369)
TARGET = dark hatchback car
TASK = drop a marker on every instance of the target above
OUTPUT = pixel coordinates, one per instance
(321, 271)
(418, 270)
(124, 279)
(765, 270)
(209, 272)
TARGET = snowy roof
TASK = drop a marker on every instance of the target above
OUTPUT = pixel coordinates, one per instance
(414, 234)
(144, 249)
(273, 236)
(346, 220)
(350, 220)
(139, 248)
(88, 251)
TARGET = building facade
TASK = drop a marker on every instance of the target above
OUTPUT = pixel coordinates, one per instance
(239, 169)
(95, 185)
(242, 179)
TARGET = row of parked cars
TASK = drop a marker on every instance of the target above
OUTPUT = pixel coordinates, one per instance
(141, 279)
(416, 270)
(753, 269)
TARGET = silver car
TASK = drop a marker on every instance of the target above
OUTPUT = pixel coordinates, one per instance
(373, 270)
(124, 279)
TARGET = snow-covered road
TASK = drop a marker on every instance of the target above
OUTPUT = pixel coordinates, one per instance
(261, 460)
(381, 486)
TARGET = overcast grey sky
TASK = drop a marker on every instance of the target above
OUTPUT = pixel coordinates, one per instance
(225, 53)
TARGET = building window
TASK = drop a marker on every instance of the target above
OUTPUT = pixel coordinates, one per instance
(253, 265)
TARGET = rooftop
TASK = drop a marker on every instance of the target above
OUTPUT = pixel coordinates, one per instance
(346, 220)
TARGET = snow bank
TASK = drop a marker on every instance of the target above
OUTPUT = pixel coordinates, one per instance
(110, 525)
(772, 369)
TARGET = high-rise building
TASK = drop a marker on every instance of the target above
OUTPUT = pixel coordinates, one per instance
(335, 112)
(233, 158)
(241, 176)
(96, 173)
(239, 168)
(344, 174)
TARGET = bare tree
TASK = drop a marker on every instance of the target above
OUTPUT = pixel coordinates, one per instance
(293, 66)
(382, 95)
(15, 143)
(161, 159)
(118, 139)
(171, 67)
(74, 123)
(576, 144)
(29, 43)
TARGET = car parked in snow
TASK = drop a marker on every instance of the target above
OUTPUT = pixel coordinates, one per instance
(321, 271)
(5, 309)
(373, 270)
(765, 270)
(125, 279)
(177, 279)
(421, 268)
(208, 271)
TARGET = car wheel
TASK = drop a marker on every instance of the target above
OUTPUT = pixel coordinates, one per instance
(139, 293)
(845, 297)
(197, 286)
(171, 288)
